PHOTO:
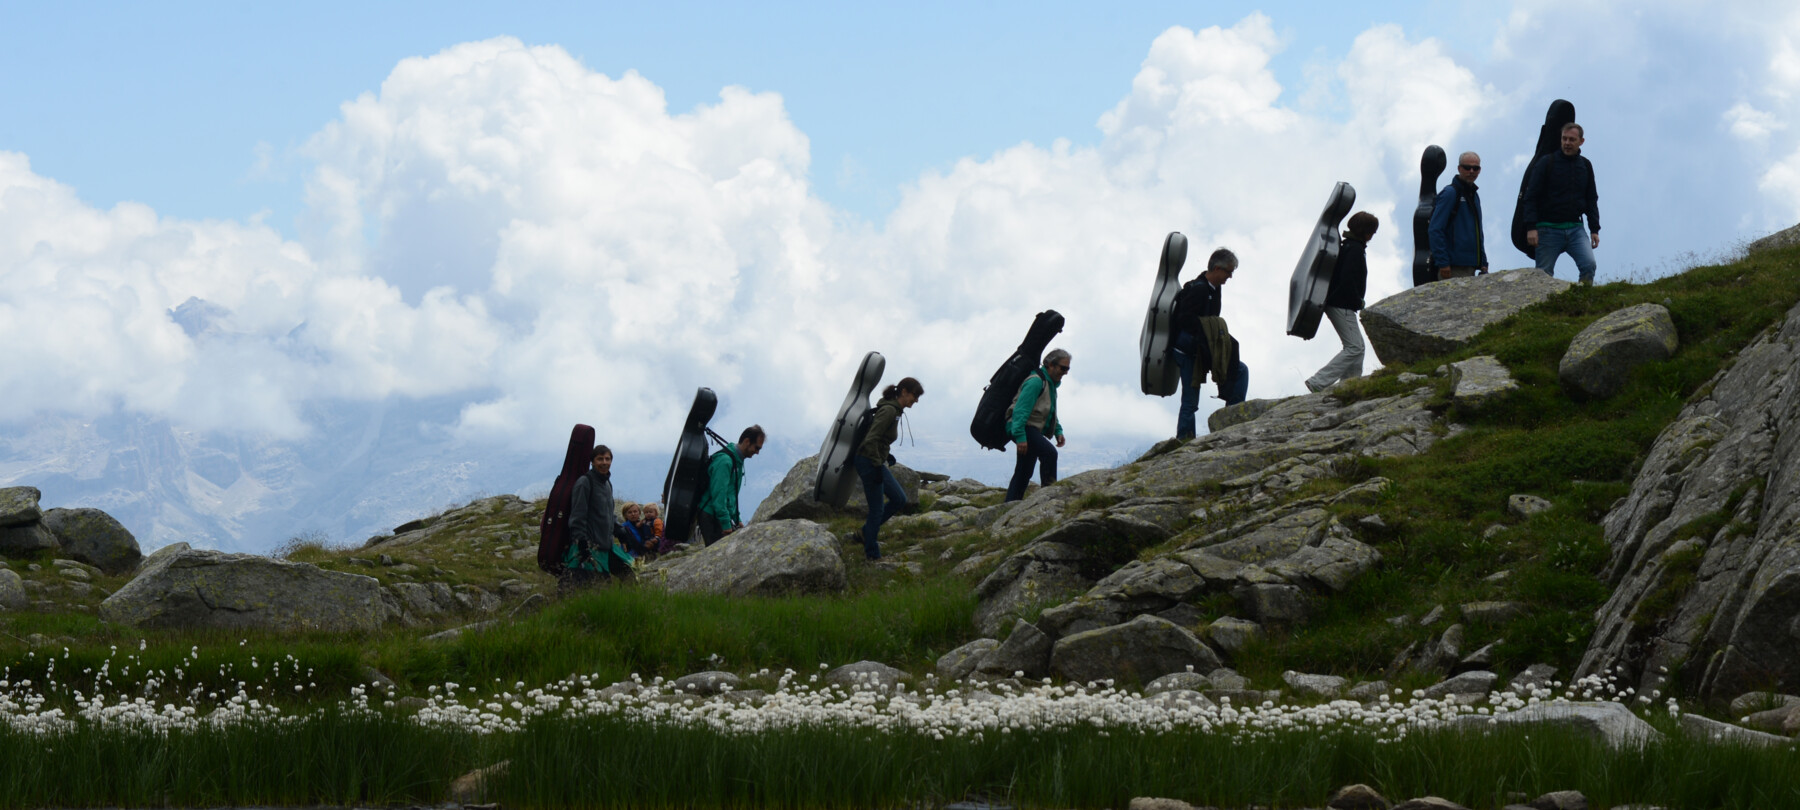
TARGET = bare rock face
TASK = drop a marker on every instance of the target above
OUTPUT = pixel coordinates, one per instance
(1705, 571)
(12, 591)
(1605, 722)
(793, 498)
(19, 506)
(1775, 241)
(1601, 358)
(1140, 650)
(1479, 379)
(761, 559)
(1436, 319)
(238, 591)
(1040, 574)
(94, 537)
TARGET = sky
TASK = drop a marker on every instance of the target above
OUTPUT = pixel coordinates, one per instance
(218, 214)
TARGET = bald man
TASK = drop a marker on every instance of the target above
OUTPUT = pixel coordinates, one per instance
(1457, 246)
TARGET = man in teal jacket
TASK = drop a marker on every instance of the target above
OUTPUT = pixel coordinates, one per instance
(724, 477)
(1033, 418)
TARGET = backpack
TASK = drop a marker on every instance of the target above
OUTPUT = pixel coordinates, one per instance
(995, 409)
(553, 528)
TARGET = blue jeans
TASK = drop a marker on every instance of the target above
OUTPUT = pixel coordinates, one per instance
(1553, 242)
(1039, 453)
(878, 480)
(1190, 391)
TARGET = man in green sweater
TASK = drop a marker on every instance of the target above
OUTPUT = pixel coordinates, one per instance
(724, 477)
(1033, 420)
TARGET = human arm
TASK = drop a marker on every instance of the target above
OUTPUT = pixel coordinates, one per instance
(881, 433)
(581, 528)
(1593, 205)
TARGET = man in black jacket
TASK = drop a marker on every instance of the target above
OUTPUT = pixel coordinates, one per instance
(1198, 299)
(592, 526)
(1559, 189)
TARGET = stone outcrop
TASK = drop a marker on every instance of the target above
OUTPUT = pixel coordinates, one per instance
(26, 539)
(1601, 358)
(1611, 724)
(762, 559)
(1705, 571)
(12, 591)
(19, 506)
(1478, 379)
(94, 537)
(1439, 318)
(793, 497)
(242, 591)
(1140, 650)
(1786, 237)
(1041, 574)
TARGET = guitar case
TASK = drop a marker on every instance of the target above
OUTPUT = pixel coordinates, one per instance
(1549, 140)
(837, 475)
(989, 425)
(553, 528)
(1158, 375)
(1312, 276)
(1431, 165)
(686, 481)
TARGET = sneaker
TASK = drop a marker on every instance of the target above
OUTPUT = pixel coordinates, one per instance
(1315, 388)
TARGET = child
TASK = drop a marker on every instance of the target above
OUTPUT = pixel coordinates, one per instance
(633, 539)
(652, 529)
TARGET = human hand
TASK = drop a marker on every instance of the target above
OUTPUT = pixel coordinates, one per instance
(1059, 440)
(1531, 237)
(1596, 238)
(1022, 447)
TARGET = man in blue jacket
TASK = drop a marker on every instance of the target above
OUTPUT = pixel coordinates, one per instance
(1559, 189)
(1457, 246)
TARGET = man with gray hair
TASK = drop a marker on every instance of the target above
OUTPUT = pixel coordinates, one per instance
(1457, 246)
(1033, 418)
(1203, 342)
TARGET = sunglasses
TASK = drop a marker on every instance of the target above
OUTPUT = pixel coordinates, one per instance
(1063, 366)
(1467, 168)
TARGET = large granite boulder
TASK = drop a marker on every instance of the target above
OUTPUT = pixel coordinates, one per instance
(1040, 574)
(792, 499)
(1140, 650)
(12, 591)
(94, 537)
(203, 588)
(1786, 237)
(19, 506)
(959, 663)
(1437, 319)
(1611, 724)
(1704, 567)
(1602, 357)
(25, 539)
(1025, 651)
(762, 559)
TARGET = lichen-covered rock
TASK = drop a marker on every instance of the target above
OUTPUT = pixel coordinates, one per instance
(960, 663)
(244, 591)
(19, 506)
(25, 539)
(95, 538)
(1025, 650)
(1478, 379)
(1785, 237)
(1038, 575)
(1232, 634)
(12, 591)
(762, 559)
(793, 498)
(1140, 650)
(1601, 358)
(1715, 608)
(1238, 414)
(1605, 722)
(1479, 682)
(1314, 686)
(1184, 680)
(1437, 319)
(866, 675)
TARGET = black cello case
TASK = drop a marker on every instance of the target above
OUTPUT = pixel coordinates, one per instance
(686, 481)
(989, 425)
(1549, 140)
(1431, 165)
(553, 528)
(1312, 276)
(837, 476)
(1158, 376)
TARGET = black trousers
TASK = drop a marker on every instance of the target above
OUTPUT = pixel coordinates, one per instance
(710, 528)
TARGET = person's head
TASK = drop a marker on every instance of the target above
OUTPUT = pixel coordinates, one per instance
(602, 459)
(1468, 166)
(1573, 136)
(1362, 226)
(1057, 363)
(632, 512)
(907, 391)
(750, 442)
(652, 511)
(1219, 266)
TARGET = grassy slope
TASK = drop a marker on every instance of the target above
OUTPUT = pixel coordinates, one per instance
(1537, 441)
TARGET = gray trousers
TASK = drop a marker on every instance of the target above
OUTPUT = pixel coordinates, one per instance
(1349, 361)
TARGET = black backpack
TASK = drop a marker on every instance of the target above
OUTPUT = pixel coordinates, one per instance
(991, 415)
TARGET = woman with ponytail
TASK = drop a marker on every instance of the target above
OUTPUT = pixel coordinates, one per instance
(873, 457)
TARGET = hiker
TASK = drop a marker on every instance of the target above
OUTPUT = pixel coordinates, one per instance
(724, 477)
(632, 537)
(591, 524)
(874, 456)
(652, 529)
(1349, 281)
(1203, 341)
(1457, 245)
(1559, 189)
(1033, 415)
